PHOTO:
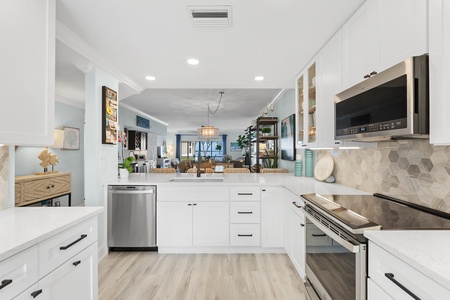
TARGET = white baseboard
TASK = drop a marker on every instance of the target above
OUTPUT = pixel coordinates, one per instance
(219, 250)
(102, 252)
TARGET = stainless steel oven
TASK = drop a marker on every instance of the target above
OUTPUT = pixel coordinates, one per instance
(335, 261)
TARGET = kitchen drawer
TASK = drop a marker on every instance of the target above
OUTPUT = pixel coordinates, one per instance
(245, 193)
(245, 212)
(316, 237)
(22, 269)
(382, 262)
(193, 193)
(245, 235)
(374, 292)
(58, 249)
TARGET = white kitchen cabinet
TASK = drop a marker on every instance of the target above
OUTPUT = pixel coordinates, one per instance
(389, 272)
(200, 223)
(374, 292)
(211, 224)
(298, 240)
(174, 221)
(381, 34)
(287, 217)
(27, 57)
(439, 41)
(272, 217)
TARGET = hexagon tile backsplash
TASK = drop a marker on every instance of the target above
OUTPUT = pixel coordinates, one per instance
(411, 170)
(4, 176)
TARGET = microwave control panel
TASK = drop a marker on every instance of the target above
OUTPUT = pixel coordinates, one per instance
(397, 124)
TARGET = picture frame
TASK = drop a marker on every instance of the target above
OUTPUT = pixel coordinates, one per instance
(288, 138)
(234, 146)
(71, 138)
(109, 116)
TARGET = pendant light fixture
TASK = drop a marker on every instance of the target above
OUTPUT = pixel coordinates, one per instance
(210, 132)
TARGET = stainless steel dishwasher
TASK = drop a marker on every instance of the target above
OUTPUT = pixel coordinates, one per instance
(132, 218)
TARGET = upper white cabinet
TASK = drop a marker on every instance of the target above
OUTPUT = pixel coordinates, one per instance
(27, 57)
(439, 14)
(381, 34)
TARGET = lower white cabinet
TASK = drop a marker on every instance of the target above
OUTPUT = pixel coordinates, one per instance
(272, 217)
(193, 223)
(245, 235)
(399, 280)
(374, 292)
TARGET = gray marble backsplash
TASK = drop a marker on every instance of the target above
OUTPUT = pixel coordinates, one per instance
(4, 176)
(411, 170)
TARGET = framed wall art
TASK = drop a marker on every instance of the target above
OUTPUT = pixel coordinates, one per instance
(234, 146)
(71, 138)
(287, 138)
(109, 116)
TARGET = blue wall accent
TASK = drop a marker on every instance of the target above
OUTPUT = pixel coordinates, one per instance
(224, 143)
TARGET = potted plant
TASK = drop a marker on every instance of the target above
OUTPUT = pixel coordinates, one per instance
(266, 130)
(127, 164)
(270, 163)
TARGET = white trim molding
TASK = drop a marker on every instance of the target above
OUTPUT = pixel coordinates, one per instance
(68, 37)
(142, 114)
(68, 101)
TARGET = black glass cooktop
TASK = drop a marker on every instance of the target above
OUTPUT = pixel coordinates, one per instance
(365, 211)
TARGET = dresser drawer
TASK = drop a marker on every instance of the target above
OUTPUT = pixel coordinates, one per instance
(37, 189)
(56, 250)
(245, 212)
(382, 265)
(245, 193)
(245, 235)
(18, 272)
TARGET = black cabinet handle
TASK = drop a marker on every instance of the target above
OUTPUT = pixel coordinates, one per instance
(245, 212)
(245, 234)
(304, 145)
(76, 263)
(189, 204)
(295, 204)
(36, 293)
(83, 236)
(390, 276)
(373, 73)
(48, 187)
(366, 76)
(245, 194)
(319, 234)
(303, 225)
(195, 204)
(5, 283)
(264, 190)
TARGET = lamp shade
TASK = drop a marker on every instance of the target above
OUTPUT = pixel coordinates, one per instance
(58, 139)
(208, 133)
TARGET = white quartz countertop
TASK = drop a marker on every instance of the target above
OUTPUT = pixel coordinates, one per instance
(297, 185)
(428, 251)
(23, 227)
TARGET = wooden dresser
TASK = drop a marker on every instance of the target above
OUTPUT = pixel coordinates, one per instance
(31, 189)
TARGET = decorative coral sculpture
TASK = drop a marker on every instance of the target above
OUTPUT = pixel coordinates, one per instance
(47, 158)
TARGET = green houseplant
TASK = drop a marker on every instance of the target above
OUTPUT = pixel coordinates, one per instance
(266, 130)
(127, 164)
(271, 163)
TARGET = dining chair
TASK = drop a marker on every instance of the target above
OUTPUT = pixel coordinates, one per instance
(236, 170)
(275, 170)
(163, 170)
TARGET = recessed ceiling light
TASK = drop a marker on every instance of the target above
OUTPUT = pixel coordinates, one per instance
(150, 78)
(192, 61)
(259, 78)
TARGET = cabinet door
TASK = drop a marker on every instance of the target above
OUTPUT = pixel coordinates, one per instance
(298, 241)
(211, 222)
(400, 31)
(374, 292)
(272, 217)
(287, 218)
(75, 279)
(27, 60)
(357, 45)
(439, 15)
(174, 224)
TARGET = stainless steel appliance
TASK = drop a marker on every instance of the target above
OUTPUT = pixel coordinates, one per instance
(336, 249)
(390, 105)
(132, 217)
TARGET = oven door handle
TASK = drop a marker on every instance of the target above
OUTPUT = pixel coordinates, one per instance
(346, 244)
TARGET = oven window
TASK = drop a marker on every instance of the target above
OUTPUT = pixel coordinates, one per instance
(333, 265)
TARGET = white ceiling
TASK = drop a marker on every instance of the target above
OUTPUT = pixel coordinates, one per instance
(272, 38)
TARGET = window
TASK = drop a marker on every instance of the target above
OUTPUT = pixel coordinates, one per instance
(209, 150)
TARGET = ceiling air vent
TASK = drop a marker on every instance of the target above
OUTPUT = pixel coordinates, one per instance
(210, 15)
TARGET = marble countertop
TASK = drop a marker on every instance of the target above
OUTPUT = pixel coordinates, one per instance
(425, 250)
(23, 227)
(297, 185)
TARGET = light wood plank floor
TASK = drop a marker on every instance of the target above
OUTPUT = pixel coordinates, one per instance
(148, 275)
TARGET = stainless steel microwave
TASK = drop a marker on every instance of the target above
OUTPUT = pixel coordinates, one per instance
(393, 104)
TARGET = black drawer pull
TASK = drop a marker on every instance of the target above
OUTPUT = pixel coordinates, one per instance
(36, 293)
(245, 212)
(245, 194)
(303, 225)
(390, 276)
(373, 73)
(295, 204)
(322, 234)
(76, 263)
(366, 76)
(245, 234)
(5, 283)
(83, 236)
(263, 190)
